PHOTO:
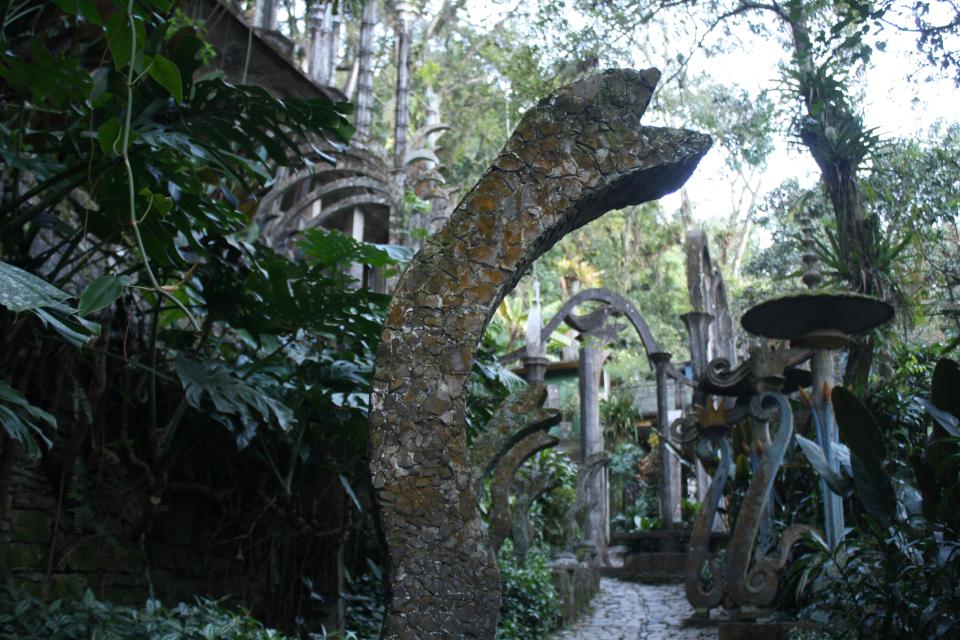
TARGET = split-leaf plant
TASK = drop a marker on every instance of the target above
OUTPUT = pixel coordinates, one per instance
(895, 572)
(173, 379)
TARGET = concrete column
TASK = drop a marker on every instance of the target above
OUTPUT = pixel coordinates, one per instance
(821, 367)
(333, 48)
(316, 47)
(265, 14)
(591, 436)
(535, 360)
(364, 111)
(698, 326)
(357, 226)
(398, 225)
(669, 466)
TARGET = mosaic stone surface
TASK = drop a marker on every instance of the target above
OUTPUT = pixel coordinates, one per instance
(577, 154)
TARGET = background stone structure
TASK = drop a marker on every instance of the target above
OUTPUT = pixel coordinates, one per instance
(579, 153)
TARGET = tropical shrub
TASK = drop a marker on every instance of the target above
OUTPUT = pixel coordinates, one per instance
(23, 617)
(896, 573)
(155, 352)
(530, 607)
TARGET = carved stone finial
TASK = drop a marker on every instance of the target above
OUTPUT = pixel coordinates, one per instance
(812, 277)
(535, 346)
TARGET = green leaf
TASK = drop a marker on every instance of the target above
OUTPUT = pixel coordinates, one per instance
(101, 293)
(23, 291)
(331, 247)
(350, 492)
(858, 426)
(108, 135)
(87, 9)
(161, 5)
(949, 422)
(874, 488)
(63, 320)
(232, 396)
(167, 75)
(120, 38)
(945, 392)
(839, 484)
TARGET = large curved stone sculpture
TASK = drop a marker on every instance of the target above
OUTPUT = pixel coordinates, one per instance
(757, 585)
(576, 515)
(502, 480)
(702, 596)
(577, 154)
(519, 415)
(527, 494)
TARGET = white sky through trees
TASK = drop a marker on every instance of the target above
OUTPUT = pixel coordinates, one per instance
(899, 95)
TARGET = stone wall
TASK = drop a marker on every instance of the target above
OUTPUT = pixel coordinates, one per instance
(576, 584)
(58, 546)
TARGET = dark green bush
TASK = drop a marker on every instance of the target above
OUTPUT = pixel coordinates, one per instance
(364, 602)
(23, 617)
(530, 607)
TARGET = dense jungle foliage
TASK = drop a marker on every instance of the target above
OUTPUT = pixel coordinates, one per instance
(159, 360)
(191, 394)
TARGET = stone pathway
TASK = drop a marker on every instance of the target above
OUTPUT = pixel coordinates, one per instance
(630, 611)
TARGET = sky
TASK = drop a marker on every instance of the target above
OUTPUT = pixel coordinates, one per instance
(894, 102)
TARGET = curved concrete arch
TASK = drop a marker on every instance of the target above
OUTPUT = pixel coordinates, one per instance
(358, 166)
(344, 204)
(579, 153)
(577, 513)
(520, 414)
(502, 480)
(617, 302)
(529, 493)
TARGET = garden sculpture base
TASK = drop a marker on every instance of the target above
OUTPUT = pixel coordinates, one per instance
(577, 154)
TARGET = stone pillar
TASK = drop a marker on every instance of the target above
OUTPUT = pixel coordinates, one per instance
(591, 436)
(364, 105)
(698, 326)
(316, 47)
(333, 47)
(401, 121)
(535, 360)
(357, 226)
(821, 366)
(669, 466)
(265, 14)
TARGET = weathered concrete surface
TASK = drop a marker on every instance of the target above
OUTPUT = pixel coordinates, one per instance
(519, 415)
(576, 583)
(502, 480)
(528, 492)
(578, 154)
(629, 611)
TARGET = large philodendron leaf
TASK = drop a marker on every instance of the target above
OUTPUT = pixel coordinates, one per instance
(862, 434)
(231, 395)
(19, 419)
(875, 488)
(858, 426)
(947, 421)
(839, 484)
(22, 291)
(945, 392)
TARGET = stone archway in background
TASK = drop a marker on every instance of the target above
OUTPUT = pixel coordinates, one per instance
(576, 155)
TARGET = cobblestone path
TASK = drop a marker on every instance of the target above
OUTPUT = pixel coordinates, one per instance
(629, 611)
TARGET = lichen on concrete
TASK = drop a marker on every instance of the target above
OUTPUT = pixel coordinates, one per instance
(577, 154)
